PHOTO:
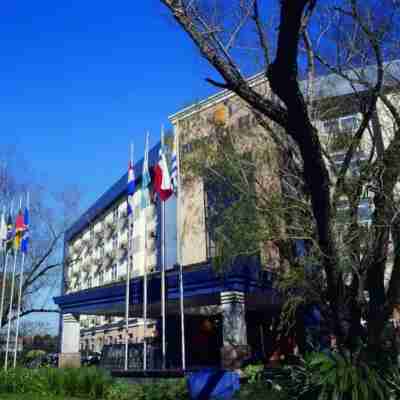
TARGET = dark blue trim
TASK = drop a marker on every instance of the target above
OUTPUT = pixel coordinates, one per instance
(202, 280)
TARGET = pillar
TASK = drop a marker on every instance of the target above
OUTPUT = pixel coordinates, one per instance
(70, 342)
(235, 348)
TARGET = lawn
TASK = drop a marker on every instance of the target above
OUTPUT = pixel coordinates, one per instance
(33, 397)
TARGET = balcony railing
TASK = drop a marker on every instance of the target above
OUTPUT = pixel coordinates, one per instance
(122, 251)
(109, 229)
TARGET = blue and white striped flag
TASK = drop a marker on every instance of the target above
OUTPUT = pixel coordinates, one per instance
(174, 165)
(146, 179)
(131, 186)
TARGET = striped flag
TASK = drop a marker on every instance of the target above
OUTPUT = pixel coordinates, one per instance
(19, 229)
(131, 187)
(10, 233)
(174, 165)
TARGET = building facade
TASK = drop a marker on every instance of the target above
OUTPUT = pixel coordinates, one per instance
(230, 314)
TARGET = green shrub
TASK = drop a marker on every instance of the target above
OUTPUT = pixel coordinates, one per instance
(163, 390)
(335, 376)
(259, 391)
(253, 372)
(124, 391)
(83, 382)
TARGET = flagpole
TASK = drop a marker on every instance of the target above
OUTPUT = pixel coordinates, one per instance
(21, 278)
(128, 276)
(179, 255)
(11, 299)
(3, 289)
(145, 293)
(145, 165)
(163, 297)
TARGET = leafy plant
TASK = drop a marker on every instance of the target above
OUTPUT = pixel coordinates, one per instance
(253, 372)
(339, 378)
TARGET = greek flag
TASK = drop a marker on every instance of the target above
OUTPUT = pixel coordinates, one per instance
(131, 187)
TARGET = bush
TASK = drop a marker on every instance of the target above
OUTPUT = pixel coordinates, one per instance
(84, 382)
(88, 383)
(259, 391)
(334, 376)
(166, 390)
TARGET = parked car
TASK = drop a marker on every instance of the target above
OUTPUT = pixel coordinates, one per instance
(90, 358)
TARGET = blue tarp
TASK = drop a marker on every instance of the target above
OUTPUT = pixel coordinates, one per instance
(213, 384)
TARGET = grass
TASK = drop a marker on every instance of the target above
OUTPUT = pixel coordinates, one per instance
(29, 396)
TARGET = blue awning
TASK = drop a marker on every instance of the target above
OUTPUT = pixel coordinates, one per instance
(200, 282)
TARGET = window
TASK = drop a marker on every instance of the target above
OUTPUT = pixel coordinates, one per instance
(91, 233)
(90, 282)
(187, 148)
(114, 272)
(331, 126)
(101, 251)
(115, 214)
(349, 123)
(101, 278)
(114, 241)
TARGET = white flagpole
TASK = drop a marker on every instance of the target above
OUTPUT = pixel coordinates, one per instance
(163, 299)
(128, 276)
(21, 278)
(3, 289)
(145, 268)
(179, 255)
(145, 294)
(11, 301)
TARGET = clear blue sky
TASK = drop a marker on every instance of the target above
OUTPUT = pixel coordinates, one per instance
(79, 80)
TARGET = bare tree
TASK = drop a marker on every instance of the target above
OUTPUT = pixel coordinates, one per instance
(362, 37)
(50, 215)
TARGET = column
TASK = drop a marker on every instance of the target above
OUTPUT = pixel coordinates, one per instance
(70, 355)
(235, 348)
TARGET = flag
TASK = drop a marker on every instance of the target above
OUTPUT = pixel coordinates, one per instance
(3, 231)
(174, 165)
(162, 178)
(10, 232)
(131, 187)
(25, 234)
(146, 179)
(19, 229)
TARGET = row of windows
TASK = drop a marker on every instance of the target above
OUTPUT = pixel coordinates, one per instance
(101, 279)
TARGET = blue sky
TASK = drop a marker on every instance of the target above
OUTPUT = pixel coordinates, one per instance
(79, 80)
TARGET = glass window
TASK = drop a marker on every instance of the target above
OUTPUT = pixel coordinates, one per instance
(114, 272)
(101, 278)
(331, 126)
(115, 214)
(90, 282)
(349, 123)
(91, 233)
(101, 251)
(115, 241)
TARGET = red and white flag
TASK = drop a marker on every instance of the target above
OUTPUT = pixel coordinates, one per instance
(162, 177)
